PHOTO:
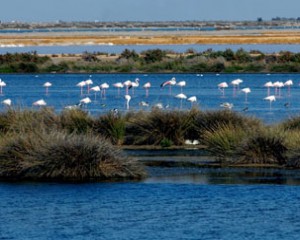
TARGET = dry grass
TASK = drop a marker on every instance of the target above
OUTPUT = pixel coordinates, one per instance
(230, 37)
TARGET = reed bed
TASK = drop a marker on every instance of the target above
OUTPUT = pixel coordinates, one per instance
(74, 146)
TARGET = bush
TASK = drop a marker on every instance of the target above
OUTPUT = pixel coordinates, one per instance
(64, 157)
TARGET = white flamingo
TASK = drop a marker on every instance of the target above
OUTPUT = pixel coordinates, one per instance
(289, 83)
(47, 85)
(118, 85)
(147, 85)
(171, 83)
(268, 85)
(128, 98)
(236, 83)
(127, 85)
(222, 87)
(81, 85)
(95, 89)
(181, 96)
(246, 91)
(88, 82)
(103, 88)
(181, 84)
(192, 100)
(2, 84)
(135, 84)
(271, 99)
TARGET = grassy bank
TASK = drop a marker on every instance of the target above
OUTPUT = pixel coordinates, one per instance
(74, 146)
(153, 61)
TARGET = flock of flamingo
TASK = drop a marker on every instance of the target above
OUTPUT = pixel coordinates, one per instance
(169, 83)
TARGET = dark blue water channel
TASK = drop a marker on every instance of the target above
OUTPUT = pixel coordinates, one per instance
(24, 89)
(149, 210)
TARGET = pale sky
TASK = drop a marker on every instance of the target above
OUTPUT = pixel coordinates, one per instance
(145, 10)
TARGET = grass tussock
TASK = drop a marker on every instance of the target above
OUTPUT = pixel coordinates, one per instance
(64, 157)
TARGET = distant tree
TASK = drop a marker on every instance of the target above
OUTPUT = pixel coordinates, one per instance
(155, 55)
(127, 54)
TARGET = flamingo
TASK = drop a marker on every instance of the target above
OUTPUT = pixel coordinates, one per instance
(268, 85)
(39, 103)
(181, 96)
(7, 102)
(222, 87)
(289, 83)
(246, 91)
(2, 84)
(103, 88)
(128, 98)
(95, 89)
(127, 85)
(181, 84)
(135, 84)
(236, 84)
(171, 83)
(85, 101)
(81, 85)
(118, 85)
(147, 85)
(88, 82)
(192, 99)
(271, 99)
(47, 85)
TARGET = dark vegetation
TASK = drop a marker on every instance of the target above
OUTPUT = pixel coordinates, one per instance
(74, 146)
(154, 60)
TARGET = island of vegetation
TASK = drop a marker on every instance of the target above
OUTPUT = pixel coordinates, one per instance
(73, 146)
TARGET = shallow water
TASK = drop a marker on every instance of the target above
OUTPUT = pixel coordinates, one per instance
(24, 89)
(152, 209)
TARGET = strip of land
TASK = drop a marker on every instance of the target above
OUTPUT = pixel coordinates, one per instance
(153, 38)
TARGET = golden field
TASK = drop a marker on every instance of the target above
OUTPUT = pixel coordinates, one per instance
(154, 38)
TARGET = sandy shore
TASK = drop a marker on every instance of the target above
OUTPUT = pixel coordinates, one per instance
(152, 38)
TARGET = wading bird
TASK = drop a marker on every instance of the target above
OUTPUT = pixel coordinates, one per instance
(128, 98)
(47, 85)
(222, 87)
(147, 85)
(246, 91)
(271, 99)
(171, 83)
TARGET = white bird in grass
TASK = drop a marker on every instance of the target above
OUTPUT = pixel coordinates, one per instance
(192, 99)
(86, 100)
(7, 102)
(39, 103)
(128, 98)
(227, 105)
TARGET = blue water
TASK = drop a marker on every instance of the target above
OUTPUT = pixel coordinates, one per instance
(24, 89)
(149, 211)
(180, 48)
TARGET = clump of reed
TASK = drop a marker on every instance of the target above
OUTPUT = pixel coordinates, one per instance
(156, 126)
(263, 147)
(76, 121)
(223, 140)
(211, 120)
(111, 126)
(60, 156)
